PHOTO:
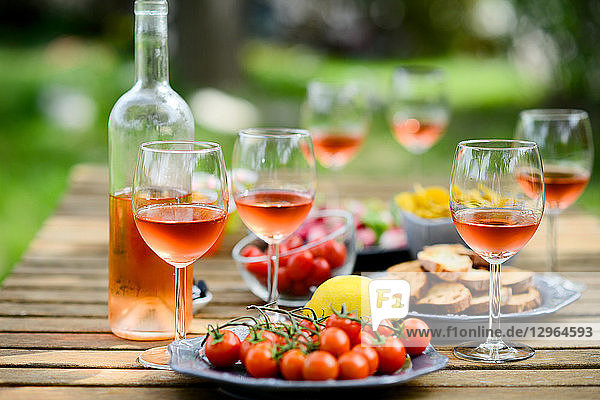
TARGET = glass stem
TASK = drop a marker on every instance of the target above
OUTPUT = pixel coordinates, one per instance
(551, 253)
(180, 303)
(273, 269)
(494, 322)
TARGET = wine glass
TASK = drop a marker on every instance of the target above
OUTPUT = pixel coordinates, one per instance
(338, 118)
(273, 185)
(564, 138)
(175, 221)
(418, 112)
(496, 216)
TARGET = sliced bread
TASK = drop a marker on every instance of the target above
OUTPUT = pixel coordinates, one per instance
(476, 279)
(517, 279)
(458, 248)
(445, 298)
(523, 301)
(480, 304)
(411, 272)
(444, 262)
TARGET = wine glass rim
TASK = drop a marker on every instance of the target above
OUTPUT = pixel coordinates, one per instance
(498, 144)
(199, 146)
(551, 114)
(274, 133)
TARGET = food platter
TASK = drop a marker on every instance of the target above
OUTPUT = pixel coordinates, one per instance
(187, 356)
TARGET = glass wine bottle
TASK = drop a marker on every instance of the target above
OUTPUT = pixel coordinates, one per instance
(141, 290)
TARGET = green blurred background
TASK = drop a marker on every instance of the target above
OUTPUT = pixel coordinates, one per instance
(63, 63)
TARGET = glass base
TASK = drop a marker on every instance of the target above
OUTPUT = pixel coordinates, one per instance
(496, 352)
(157, 358)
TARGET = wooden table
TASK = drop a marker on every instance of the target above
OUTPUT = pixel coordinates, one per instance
(55, 342)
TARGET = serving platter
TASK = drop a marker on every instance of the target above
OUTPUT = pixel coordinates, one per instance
(187, 356)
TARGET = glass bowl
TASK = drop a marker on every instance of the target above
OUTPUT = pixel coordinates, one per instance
(338, 226)
(421, 232)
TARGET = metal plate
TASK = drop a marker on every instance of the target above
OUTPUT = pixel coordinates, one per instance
(187, 356)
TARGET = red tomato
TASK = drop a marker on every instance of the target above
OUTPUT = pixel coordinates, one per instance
(283, 280)
(385, 328)
(353, 365)
(246, 345)
(299, 288)
(370, 354)
(392, 355)
(333, 251)
(260, 362)
(283, 261)
(307, 324)
(367, 336)
(300, 265)
(320, 271)
(320, 366)
(416, 336)
(251, 251)
(223, 352)
(352, 328)
(294, 241)
(291, 364)
(335, 341)
(260, 269)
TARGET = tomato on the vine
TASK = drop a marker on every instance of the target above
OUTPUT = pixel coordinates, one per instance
(291, 364)
(335, 341)
(392, 355)
(370, 354)
(260, 362)
(353, 365)
(352, 328)
(223, 350)
(385, 328)
(246, 345)
(415, 336)
(320, 366)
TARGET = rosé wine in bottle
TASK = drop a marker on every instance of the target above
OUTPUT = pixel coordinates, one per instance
(140, 287)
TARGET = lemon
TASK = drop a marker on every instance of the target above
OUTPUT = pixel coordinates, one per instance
(352, 290)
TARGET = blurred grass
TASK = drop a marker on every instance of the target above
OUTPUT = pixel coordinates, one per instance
(486, 95)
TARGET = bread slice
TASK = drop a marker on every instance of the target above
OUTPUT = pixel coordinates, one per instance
(523, 302)
(517, 279)
(480, 304)
(445, 298)
(411, 272)
(478, 261)
(476, 279)
(444, 262)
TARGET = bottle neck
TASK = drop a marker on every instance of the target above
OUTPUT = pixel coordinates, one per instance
(151, 51)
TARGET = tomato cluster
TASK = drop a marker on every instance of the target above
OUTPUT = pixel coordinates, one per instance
(337, 347)
(298, 272)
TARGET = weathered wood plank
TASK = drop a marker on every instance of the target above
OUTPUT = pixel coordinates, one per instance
(73, 341)
(543, 359)
(448, 378)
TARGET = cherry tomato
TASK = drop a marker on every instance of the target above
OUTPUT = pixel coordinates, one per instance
(335, 341)
(291, 364)
(370, 354)
(333, 251)
(352, 328)
(246, 345)
(320, 366)
(385, 328)
(300, 265)
(416, 336)
(283, 280)
(367, 336)
(260, 362)
(299, 288)
(283, 261)
(392, 355)
(294, 241)
(353, 365)
(251, 251)
(223, 352)
(320, 271)
(260, 269)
